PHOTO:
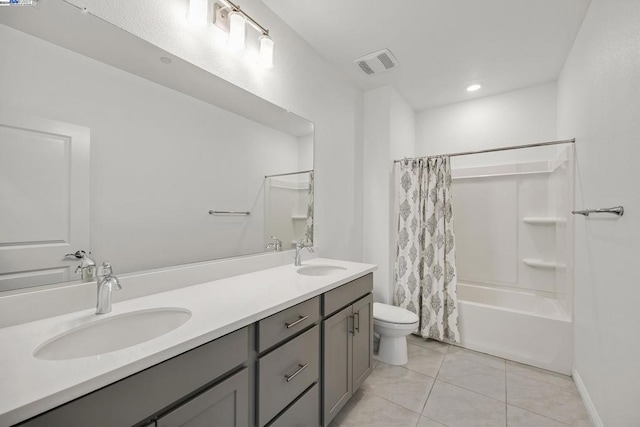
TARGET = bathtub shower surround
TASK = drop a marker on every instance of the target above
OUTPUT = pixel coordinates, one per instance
(515, 254)
(288, 209)
(425, 269)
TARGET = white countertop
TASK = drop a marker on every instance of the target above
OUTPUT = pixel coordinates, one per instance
(30, 386)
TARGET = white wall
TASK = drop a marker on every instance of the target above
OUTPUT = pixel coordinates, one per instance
(305, 153)
(402, 127)
(599, 104)
(301, 81)
(159, 159)
(389, 127)
(377, 201)
(512, 118)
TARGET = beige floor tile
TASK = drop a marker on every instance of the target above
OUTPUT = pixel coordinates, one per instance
(424, 360)
(485, 359)
(399, 385)
(541, 375)
(466, 373)
(367, 409)
(428, 343)
(457, 407)
(517, 417)
(426, 422)
(561, 404)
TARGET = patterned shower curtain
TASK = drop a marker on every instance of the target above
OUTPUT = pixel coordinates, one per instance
(425, 268)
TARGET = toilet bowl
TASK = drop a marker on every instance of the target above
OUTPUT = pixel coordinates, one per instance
(393, 324)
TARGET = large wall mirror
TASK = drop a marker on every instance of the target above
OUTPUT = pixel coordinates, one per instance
(114, 147)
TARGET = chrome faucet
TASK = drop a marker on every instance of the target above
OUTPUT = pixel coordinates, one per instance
(106, 283)
(299, 246)
(87, 267)
(276, 244)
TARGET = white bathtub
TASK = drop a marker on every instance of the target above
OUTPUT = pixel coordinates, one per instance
(516, 325)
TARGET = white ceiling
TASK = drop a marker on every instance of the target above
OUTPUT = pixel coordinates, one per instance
(441, 46)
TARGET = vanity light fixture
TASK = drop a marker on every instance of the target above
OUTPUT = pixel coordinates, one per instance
(198, 12)
(237, 30)
(265, 58)
(473, 87)
(232, 20)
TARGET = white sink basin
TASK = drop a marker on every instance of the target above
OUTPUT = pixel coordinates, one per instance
(320, 270)
(114, 333)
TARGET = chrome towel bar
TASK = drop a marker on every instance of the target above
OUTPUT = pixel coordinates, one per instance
(618, 210)
(229, 213)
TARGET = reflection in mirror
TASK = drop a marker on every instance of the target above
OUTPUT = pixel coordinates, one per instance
(95, 158)
(288, 210)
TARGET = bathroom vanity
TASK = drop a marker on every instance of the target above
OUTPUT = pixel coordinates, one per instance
(290, 352)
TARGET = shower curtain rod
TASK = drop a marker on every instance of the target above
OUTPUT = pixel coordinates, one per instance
(491, 150)
(288, 173)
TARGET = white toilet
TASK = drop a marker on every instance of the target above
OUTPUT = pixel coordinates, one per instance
(393, 324)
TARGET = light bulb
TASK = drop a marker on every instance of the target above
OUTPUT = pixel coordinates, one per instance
(265, 58)
(198, 12)
(473, 87)
(236, 31)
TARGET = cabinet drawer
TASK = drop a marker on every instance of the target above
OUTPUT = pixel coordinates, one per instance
(304, 413)
(134, 398)
(224, 405)
(286, 372)
(346, 294)
(288, 322)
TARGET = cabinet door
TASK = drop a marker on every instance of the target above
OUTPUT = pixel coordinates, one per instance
(223, 405)
(338, 385)
(362, 340)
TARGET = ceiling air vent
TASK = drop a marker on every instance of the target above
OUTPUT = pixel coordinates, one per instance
(377, 62)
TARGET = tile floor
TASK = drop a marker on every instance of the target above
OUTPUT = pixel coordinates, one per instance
(445, 385)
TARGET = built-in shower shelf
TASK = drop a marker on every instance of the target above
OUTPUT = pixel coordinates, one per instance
(535, 220)
(538, 263)
(298, 217)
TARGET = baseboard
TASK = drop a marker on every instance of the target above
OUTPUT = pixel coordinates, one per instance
(586, 399)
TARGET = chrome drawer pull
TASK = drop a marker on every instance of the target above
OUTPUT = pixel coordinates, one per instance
(300, 319)
(300, 369)
(356, 321)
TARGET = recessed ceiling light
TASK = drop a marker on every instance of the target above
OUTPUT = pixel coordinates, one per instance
(473, 87)
(166, 60)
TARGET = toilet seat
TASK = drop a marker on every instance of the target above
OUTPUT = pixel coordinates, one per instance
(400, 326)
(390, 315)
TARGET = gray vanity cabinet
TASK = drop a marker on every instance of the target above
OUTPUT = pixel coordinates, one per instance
(347, 343)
